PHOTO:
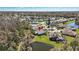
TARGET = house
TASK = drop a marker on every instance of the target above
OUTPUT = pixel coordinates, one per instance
(40, 29)
(68, 32)
(55, 35)
(61, 20)
(61, 25)
(54, 29)
(40, 32)
(34, 25)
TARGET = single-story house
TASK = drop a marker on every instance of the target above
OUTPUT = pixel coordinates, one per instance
(69, 32)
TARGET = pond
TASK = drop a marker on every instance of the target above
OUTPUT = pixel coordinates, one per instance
(73, 25)
(39, 46)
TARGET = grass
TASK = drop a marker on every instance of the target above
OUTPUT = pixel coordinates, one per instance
(77, 30)
(70, 22)
(69, 39)
(46, 40)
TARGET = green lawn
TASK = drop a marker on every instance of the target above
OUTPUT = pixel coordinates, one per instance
(69, 39)
(70, 22)
(77, 30)
(45, 39)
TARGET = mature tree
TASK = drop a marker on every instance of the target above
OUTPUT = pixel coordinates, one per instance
(14, 30)
(74, 44)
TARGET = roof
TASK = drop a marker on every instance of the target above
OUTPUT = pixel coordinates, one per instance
(69, 32)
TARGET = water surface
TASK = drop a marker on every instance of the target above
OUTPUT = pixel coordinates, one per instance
(73, 25)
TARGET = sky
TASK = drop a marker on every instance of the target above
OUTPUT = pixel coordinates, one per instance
(53, 9)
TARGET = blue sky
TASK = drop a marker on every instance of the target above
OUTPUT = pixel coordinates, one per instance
(39, 9)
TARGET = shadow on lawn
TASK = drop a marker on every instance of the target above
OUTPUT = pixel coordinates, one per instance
(39, 46)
